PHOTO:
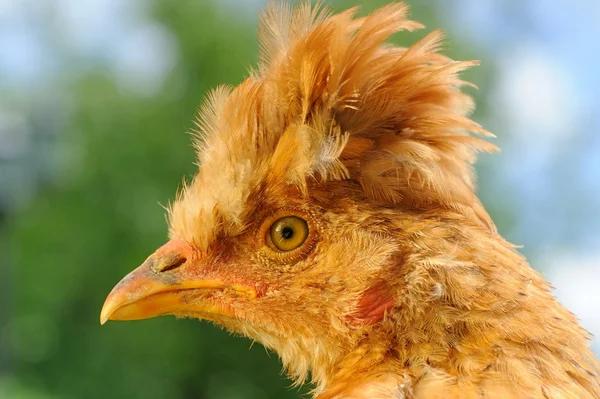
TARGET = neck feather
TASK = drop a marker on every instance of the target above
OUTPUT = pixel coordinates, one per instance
(471, 313)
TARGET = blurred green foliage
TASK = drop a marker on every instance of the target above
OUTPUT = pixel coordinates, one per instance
(124, 154)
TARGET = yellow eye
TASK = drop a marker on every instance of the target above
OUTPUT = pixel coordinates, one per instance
(288, 233)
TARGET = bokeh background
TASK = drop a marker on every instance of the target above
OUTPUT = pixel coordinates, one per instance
(96, 97)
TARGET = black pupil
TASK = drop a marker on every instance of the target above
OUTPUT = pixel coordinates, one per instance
(287, 233)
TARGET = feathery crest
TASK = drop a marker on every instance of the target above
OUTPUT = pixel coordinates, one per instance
(332, 100)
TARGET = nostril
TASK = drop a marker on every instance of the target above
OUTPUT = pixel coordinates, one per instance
(169, 261)
(174, 265)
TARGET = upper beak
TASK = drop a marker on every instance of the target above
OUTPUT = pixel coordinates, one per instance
(168, 282)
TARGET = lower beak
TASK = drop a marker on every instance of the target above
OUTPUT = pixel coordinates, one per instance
(166, 283)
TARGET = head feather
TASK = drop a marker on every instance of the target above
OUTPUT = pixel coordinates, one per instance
(331, 100)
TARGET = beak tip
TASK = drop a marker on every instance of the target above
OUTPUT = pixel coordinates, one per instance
(105, 313)
(103, 318)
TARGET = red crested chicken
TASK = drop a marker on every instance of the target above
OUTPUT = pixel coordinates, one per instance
(333, 219)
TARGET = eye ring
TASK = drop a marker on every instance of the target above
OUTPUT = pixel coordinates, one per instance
(287, 234)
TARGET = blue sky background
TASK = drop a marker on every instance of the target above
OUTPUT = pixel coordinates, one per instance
(545, 109)
(543, 100)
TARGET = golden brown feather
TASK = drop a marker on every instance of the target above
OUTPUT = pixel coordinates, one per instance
(403, 288)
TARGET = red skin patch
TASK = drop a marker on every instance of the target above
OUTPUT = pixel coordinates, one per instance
(373, 304)
(261, 289)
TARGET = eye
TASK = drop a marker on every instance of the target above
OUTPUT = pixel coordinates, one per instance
(288, 233)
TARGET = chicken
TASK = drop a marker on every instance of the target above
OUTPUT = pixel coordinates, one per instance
(333, 219)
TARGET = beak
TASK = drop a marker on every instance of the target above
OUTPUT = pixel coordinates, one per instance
(168, 282)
